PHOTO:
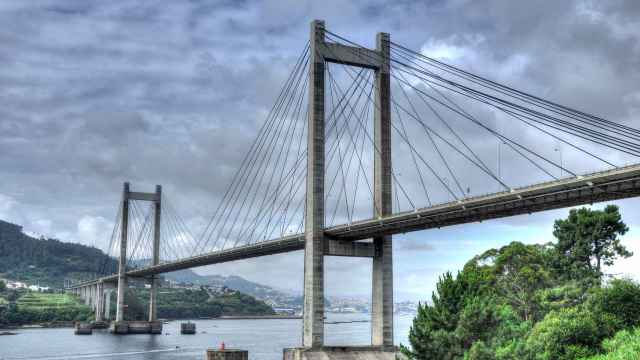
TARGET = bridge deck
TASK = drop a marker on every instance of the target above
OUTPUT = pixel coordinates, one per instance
(602, 186)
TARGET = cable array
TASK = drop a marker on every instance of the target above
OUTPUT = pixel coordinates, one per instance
(447, 126)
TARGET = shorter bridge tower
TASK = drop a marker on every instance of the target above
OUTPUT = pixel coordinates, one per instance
(127, 196)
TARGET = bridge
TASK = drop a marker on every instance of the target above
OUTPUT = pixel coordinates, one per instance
(288, 196)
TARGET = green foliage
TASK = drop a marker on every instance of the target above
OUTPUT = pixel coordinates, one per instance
(520, 271)
(34, 308)
(569, 334)
(534, 302)
(3, 286)
(621, 299)
(567, 295)
(192, 304)
(588, 239)
(624, 346)
(49, 261)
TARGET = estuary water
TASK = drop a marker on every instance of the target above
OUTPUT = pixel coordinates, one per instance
(264, 338)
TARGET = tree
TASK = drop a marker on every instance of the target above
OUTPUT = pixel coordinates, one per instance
(621, 299)
(624, 346)
(432, 334)
(569, 334)
(3, 286)
(589, 239)
(520, 271)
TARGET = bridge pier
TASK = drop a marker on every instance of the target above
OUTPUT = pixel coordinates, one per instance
(122, 260)
(99, 301)
(107, 304)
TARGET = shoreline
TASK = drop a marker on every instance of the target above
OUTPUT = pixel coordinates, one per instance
(256, 317)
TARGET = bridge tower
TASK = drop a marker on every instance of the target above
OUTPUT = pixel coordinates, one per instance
(316, 245)
(156, 198)
(122, 259)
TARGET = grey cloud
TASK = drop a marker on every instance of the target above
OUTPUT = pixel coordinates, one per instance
(97, 93)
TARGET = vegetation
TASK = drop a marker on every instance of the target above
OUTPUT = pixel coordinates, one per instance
(624, 346)
(27, 307)
(48, 261)
(536, 302)
(192, 304)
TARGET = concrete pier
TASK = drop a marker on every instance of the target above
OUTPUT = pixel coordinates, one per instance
(136, 327)
(188, 328)
(83, 328)
(344, 353)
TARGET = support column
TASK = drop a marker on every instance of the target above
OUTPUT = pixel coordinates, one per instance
(382, 287)
(122, 261)
(313, 314)
(153, 292)
(92, 299)
(100, 301)
(107, 304)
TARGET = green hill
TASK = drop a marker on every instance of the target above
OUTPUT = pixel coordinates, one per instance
(46, 261)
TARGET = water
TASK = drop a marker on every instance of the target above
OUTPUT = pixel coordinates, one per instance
(264, 339)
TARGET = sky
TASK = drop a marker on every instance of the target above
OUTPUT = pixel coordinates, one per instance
(97, 93)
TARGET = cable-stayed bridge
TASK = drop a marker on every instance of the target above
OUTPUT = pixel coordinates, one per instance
(362, 144)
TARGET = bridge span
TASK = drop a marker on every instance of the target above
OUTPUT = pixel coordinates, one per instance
(602, 186)
(429, 81)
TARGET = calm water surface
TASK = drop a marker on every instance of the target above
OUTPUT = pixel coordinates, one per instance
(264, 339)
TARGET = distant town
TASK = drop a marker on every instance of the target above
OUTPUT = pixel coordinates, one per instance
(286, 304)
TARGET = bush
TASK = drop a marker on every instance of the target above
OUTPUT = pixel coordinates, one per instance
(621, 298)
(570, 334)
(624, 346)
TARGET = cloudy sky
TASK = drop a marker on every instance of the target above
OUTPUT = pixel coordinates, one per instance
(96, 93)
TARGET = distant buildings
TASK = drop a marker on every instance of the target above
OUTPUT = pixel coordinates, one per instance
(20, 285)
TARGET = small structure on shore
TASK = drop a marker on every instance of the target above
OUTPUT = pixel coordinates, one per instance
(227, 354)
(188, 328)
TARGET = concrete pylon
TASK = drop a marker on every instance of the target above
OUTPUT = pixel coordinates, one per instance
(122, 260)
(153, 292)
(313, 311)
(107, 304)
(100, 301)
(382, 277)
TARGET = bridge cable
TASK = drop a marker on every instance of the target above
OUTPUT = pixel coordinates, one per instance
(413, 158)
(531, 99)
(243, 166)
(265, 159)
(518, 117)
(485, 169)
(528, 98)
(393, 175)
(446, 141)
(489, 100)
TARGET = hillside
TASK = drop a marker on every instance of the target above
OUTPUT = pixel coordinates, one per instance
(259, 291)
(46, 261)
